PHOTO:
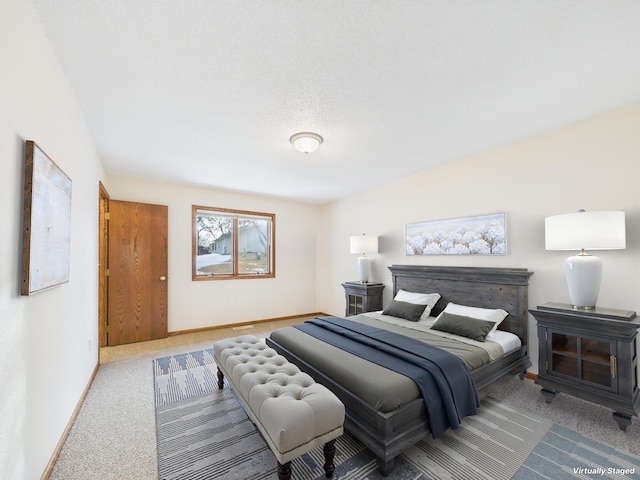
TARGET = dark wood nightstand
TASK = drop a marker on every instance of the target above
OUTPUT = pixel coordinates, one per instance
(362, 297)
(591, 355)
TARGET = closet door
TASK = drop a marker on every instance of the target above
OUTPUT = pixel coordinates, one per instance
(137, 304)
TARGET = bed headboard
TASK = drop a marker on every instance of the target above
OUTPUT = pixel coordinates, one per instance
(505, 288)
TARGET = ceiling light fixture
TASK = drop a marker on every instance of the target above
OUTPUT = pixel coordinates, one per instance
(306, 142)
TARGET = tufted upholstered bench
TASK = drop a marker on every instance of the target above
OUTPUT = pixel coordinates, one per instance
(293, 413)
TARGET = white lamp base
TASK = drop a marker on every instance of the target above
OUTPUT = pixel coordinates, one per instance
(363, 268)
(584, 273)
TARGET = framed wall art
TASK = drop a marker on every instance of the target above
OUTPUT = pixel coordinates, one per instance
(477, 235)
(46, 222)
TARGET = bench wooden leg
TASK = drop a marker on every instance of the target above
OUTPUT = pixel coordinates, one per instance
(329, 452)
(284, 471)
(220, 379)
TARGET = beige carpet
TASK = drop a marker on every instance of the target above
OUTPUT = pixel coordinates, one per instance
(584, 417)
(114, 436)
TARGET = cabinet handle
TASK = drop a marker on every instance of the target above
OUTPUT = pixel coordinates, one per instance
(614, 367)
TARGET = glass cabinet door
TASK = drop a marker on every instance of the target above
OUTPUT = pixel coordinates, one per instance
(356, 304)
(587, 359)
(598, 361)
(564, 354)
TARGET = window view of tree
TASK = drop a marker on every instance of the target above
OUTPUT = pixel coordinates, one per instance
(232, 243)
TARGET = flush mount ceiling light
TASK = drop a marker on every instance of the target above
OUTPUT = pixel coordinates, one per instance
(306, 142)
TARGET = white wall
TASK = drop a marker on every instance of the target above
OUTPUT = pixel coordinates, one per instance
(593, 164)
(48, 340)
(217, 302)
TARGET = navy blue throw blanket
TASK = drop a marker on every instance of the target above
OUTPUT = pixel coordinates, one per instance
(444, 380)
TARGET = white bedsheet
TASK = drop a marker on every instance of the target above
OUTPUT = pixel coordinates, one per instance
(508, 341)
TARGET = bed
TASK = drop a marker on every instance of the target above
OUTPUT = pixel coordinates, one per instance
(394, 417)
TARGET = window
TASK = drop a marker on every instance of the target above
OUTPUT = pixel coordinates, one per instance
(229, 244)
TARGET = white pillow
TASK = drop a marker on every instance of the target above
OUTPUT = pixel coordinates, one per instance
(427, 299)
(496, 315)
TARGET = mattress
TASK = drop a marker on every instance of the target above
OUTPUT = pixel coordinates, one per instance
(508, 341)
(384, 389)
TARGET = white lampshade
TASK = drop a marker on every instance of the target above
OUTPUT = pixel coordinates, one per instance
(582, 231)
(306, 142)
(585, 230)
(363, 244)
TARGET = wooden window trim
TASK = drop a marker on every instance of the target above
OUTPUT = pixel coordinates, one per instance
(236, 214)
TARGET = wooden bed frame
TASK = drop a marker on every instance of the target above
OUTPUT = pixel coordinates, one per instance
(388, 434)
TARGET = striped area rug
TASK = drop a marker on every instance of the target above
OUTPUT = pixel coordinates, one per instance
(203, 433)
(184, 376)
(565, 453)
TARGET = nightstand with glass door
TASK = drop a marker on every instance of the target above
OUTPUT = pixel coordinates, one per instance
(591, 355)
(362, 297)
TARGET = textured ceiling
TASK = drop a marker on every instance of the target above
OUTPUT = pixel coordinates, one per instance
(208, 92)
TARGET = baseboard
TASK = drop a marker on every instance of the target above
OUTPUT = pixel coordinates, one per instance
(531, 376)
(241, 324)
(56, 452)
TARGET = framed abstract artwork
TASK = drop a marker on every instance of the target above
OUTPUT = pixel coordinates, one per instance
(477, 235)
(46, 223)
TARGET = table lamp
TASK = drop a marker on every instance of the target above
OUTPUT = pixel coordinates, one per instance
(364, 244)
(585, 231)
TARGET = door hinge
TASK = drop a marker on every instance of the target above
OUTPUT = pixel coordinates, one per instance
(106, 215)
(106, 272)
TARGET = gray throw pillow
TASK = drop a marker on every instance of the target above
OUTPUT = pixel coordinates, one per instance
(472, 328)
(408, 311)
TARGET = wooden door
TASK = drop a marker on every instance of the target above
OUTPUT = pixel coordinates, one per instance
(103, 263)
(137, 304)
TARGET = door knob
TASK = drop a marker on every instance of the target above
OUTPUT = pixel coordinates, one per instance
(162, 278)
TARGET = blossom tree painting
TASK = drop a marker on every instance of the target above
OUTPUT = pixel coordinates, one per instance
(478, 235)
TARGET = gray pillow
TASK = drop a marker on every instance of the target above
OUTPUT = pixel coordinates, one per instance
(408, 311)
(472, 328)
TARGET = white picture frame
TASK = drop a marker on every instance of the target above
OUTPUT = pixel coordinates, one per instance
(475, 235)
(46, 234)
